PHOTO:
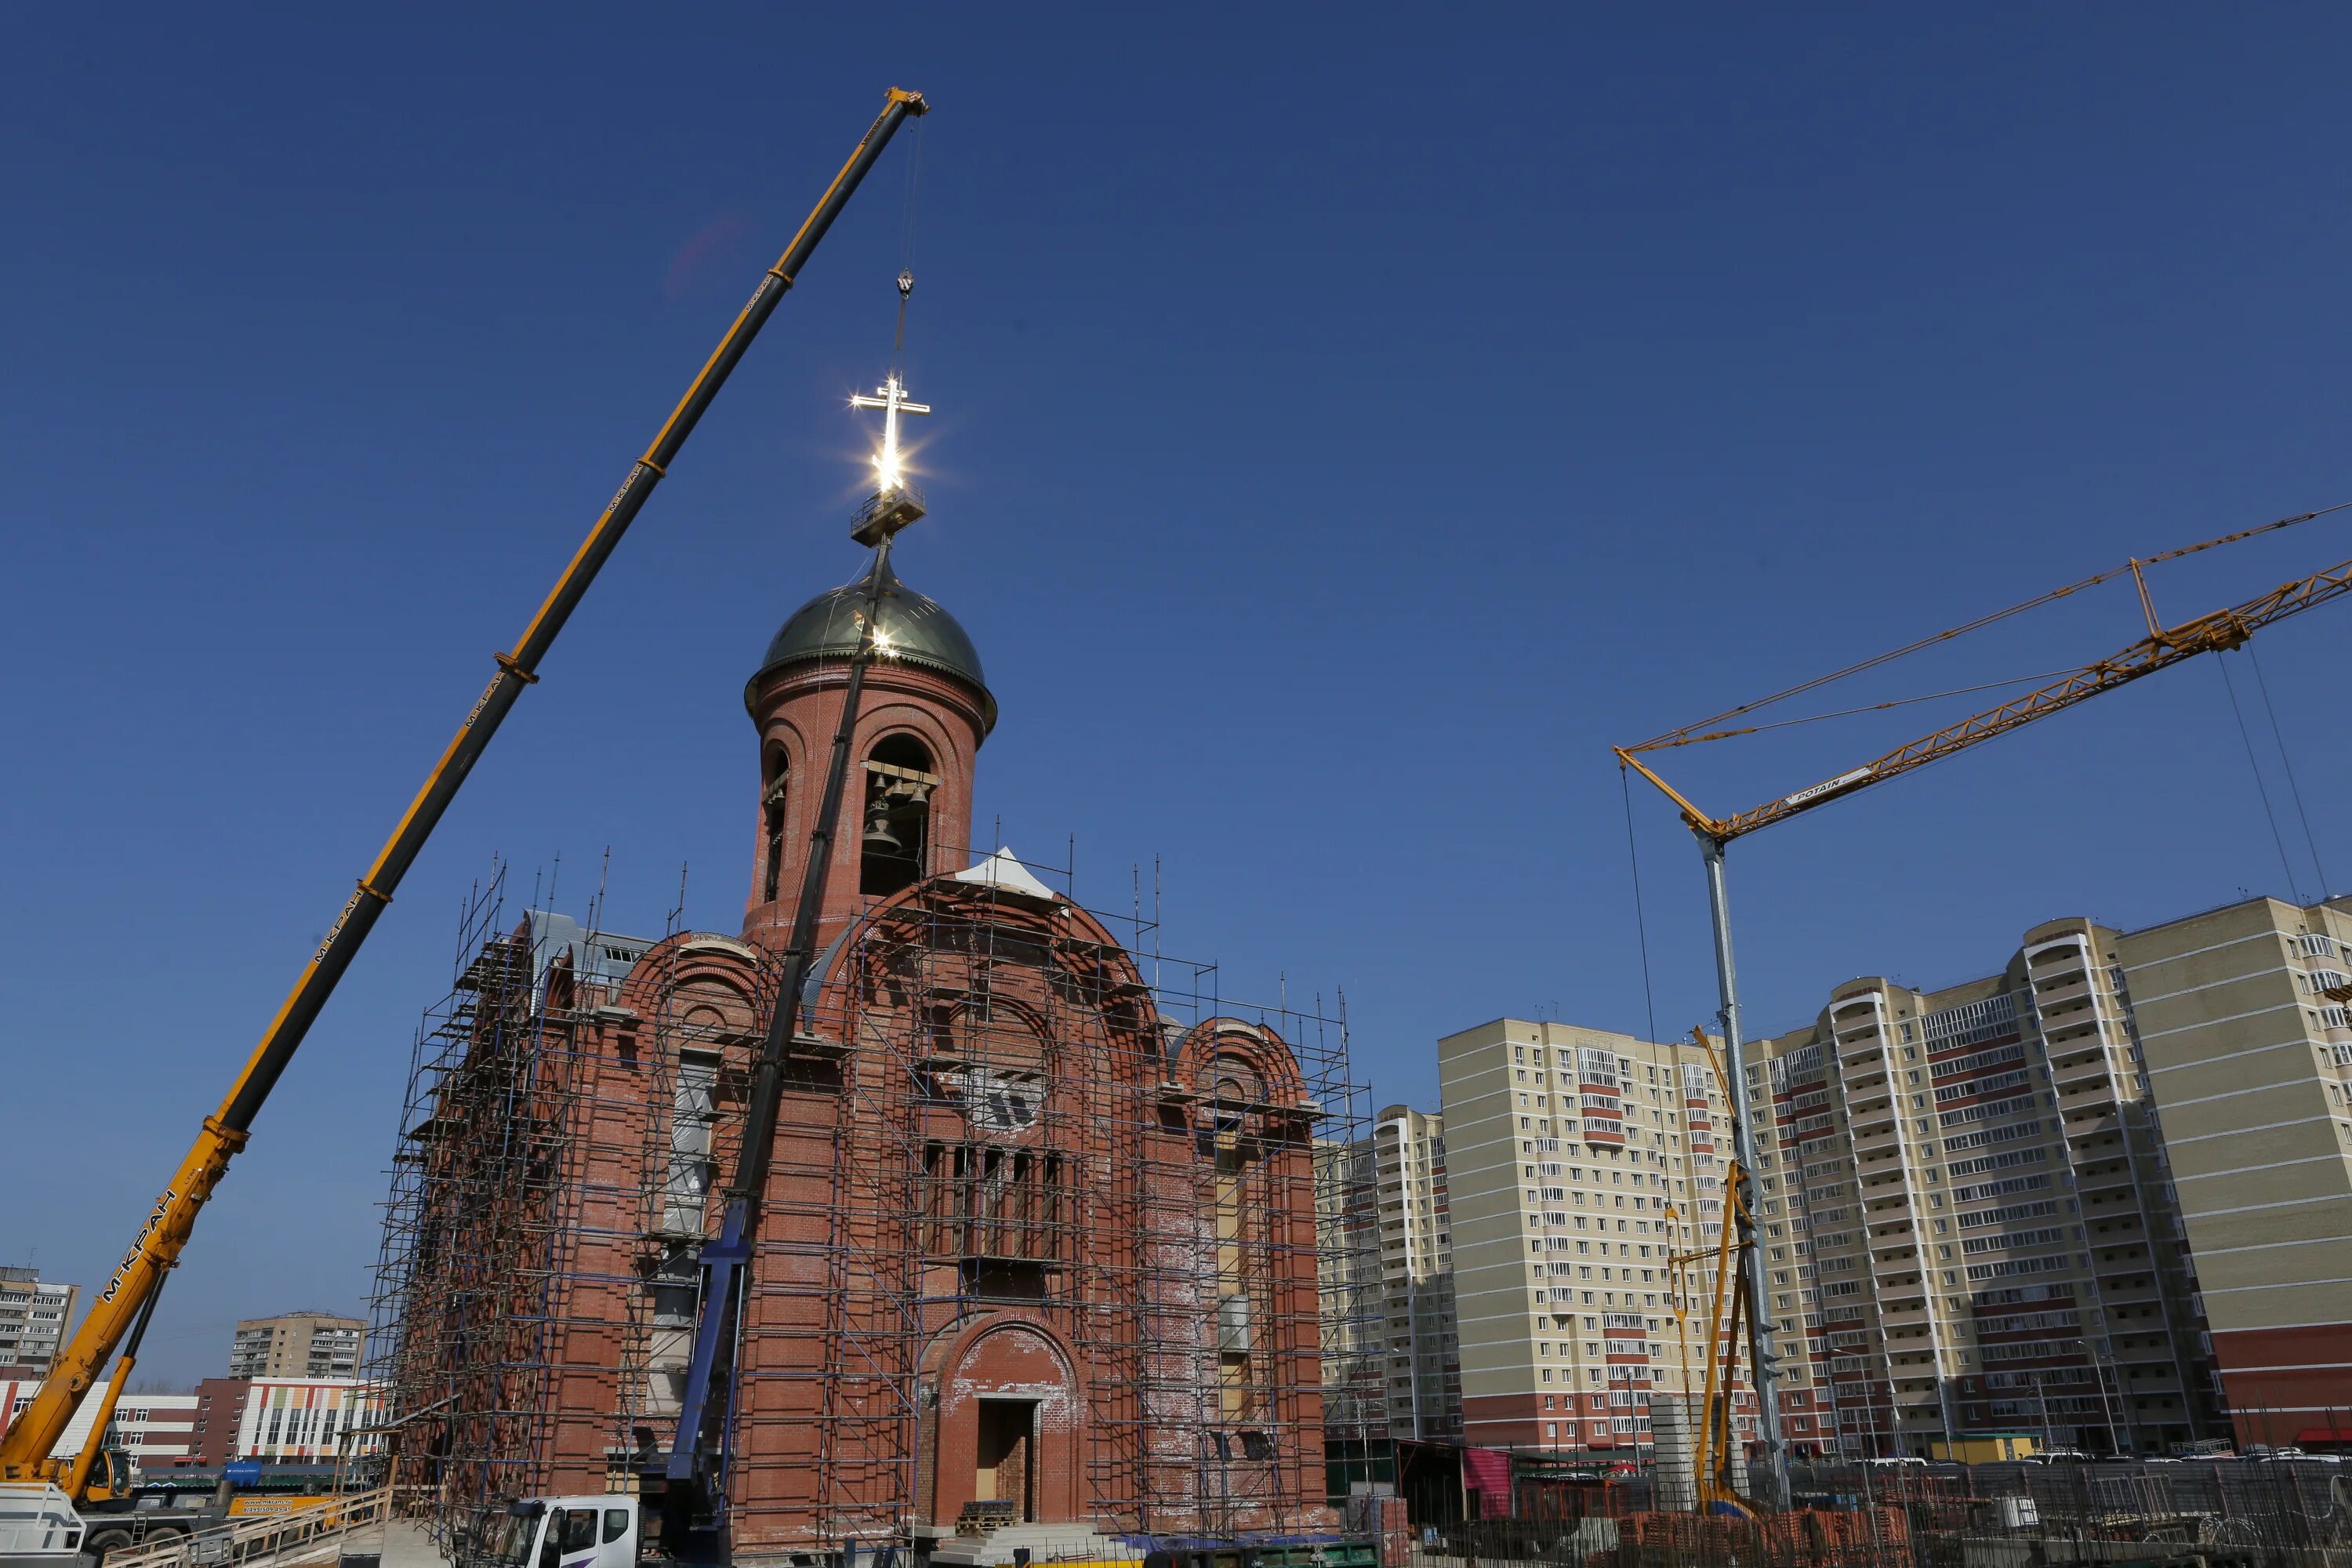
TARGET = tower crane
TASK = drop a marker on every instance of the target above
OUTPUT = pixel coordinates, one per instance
(122, 1304)
(2163, 647)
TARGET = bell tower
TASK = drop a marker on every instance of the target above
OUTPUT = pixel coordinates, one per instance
(905, 810)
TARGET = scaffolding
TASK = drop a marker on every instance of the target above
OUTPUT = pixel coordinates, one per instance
(1001, 1105)
(492, 1231)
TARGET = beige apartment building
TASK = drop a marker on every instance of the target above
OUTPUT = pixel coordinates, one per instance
(1580, 1163)
(297, 1345)
(2240, 1016)
(1969, 1215)
(2103, 1196)
(33, 1319)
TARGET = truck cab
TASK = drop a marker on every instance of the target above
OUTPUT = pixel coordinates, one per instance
(566, 1532)
(39, 1527)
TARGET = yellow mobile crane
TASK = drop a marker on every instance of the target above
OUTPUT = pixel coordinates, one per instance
(1717, 1490)
(123, 1305)
(2162, 648)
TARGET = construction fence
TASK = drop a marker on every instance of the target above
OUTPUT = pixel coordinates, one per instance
(2294, 1514)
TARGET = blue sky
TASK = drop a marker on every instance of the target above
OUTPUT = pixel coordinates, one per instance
(1346, 430)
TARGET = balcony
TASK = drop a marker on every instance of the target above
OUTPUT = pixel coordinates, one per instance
(1885, 1141)
(2061, 989)
(2151, 1380)
(2092, 1068)
(2084, 1091)
(2071, 1031)
(2056, 966)
(1862, 1051)
(2106, 1178)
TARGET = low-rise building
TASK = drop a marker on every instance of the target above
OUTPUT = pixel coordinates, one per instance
(288, 1420)
(157, 1429)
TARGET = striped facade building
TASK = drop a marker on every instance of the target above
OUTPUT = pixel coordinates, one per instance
(2105, 1196)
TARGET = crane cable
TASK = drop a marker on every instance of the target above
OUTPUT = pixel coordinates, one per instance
(2287, 763)
(2260, 787)
(907, 250)
(1683, 736)
(1641, 925)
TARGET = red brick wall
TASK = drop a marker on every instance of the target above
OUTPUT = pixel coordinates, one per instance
(853, 1306)
(2283, 1381)
(866, 1349)
(798, 709)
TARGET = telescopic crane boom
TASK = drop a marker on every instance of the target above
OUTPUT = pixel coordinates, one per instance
(155, 1249)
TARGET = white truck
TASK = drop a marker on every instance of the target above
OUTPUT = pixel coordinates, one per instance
(563, 1533)
(39, 1527)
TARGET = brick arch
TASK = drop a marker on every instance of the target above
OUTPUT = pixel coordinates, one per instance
(1259, 1048)
(718, 972)
(780, 737)
(999, 1354)
(1109, 1016)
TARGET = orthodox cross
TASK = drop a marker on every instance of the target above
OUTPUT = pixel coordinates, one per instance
(890, 397)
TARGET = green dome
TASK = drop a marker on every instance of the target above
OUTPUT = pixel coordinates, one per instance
(917, 631)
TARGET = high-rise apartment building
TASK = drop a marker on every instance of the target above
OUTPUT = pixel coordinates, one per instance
(1969, 1219)
(1420, 1348)
(1585, 1185)
(1353, 1336)
(33, 1319)
(297, 1345)
(2241, 1016)
(2105, 1195)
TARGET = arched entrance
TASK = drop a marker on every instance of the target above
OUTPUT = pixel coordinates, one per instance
(1004, 1415)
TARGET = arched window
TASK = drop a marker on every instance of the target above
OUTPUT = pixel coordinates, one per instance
(771, 820)
(899, 784)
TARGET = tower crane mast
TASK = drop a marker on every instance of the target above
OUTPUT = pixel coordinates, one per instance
(2162, 648)
(156, 1248)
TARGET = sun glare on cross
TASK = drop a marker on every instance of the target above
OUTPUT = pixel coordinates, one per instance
(890, 397)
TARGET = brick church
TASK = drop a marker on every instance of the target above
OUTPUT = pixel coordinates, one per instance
(1039, 1259)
